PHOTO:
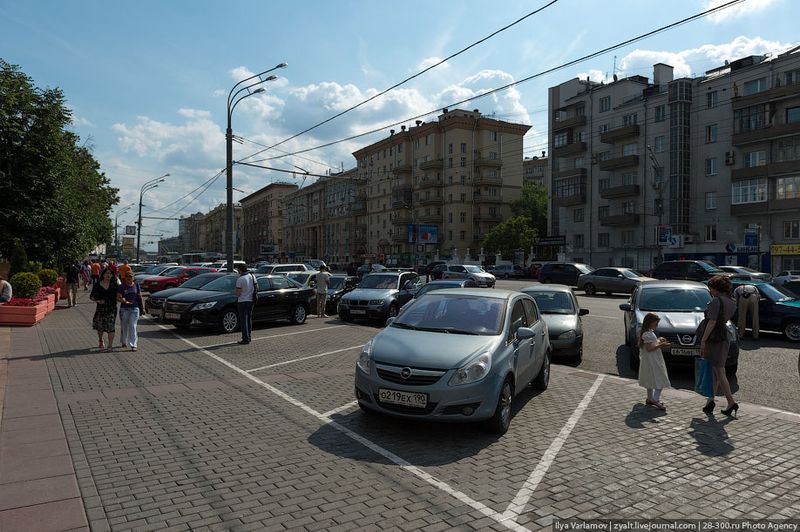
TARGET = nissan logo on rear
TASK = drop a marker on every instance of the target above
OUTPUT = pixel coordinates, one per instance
(405, 373)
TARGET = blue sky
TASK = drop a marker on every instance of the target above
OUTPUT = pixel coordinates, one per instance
(147, 80)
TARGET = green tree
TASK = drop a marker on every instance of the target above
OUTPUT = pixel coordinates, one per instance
(532, 204)
(510, 235)
(57, 200)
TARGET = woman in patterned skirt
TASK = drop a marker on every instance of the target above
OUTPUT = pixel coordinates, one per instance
(104, 293)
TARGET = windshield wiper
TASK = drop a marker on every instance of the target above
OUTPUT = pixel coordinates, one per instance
(405, 326)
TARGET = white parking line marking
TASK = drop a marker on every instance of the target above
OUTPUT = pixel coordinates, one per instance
(430, 479)
(304, 358)
(536, 476)
(604, 317)
(275, 336)
(329, 413)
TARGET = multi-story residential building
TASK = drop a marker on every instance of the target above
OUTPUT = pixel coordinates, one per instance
(706, 159)
(263, 217)
(536, 169)
(193, 224)
(304, 228)
(213, 235)
(340, 229)
(438, 188)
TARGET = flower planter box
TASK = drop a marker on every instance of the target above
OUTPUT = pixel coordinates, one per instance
(51, 302)
(61, 285)
(24, 316)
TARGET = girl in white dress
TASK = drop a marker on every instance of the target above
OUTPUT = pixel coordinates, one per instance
(652, 370)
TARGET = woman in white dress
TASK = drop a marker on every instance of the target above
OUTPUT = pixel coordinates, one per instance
(652, 370)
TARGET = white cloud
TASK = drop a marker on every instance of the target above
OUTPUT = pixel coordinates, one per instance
(430, 61)
(739, 10)
(81, 121)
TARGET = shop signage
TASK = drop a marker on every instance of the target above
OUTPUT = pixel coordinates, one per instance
(785, 249)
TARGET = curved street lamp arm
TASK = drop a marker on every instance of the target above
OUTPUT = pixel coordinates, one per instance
(254, 76)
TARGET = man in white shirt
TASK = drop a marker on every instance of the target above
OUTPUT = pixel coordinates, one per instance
(747, 296)
(245, 297)
(322, 279)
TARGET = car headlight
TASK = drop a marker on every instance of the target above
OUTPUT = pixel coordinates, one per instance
(569, 335)
(365, 358)
(376, 301)
(476, 370)
(204, 306)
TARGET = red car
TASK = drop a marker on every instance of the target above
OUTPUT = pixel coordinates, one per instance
(175, 277)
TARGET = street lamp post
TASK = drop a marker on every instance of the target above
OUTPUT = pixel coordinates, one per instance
(153, 183)
(233, 100)
(116, 223)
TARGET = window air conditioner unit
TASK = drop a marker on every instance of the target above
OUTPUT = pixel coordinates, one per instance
(730, 158)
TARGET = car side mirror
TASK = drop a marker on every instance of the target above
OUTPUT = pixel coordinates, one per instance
(625, 307)
(389, 321)
(523, 333)
(583, 312)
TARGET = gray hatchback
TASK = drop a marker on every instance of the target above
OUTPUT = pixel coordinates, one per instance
(456, 355)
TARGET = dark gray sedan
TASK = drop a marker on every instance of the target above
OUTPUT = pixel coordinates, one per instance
(611, 280)
(561, 313)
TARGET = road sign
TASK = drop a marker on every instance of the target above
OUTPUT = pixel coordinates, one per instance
(130, 229)
(555, 240)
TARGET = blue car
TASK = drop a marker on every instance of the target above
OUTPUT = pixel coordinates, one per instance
(778, 309)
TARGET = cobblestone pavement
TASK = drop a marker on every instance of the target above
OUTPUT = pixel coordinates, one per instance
(194, 431)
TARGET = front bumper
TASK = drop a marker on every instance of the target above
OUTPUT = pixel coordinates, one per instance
(370, 312)
(485, 283)
(569, 348)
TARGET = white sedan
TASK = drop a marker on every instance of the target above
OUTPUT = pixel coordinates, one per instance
(786, 275)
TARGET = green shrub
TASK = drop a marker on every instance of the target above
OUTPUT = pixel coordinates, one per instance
(34, 266)
(19, 259)
(48, 277)
(25, 284)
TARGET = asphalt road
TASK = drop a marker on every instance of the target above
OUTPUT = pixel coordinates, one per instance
(769, 368)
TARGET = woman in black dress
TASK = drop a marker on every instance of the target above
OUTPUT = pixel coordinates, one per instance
(104, 293)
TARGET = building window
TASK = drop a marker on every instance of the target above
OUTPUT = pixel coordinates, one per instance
(629, 178)
(560, 139)
(630, 120)
(661, 113)
(787, 188)
(787, 149)
(463, 147)
(630, 149)
(580, 136)
(629, 207)
(712, 99)
(602, 211)
(711, 200)
(751, 118)
(400, 148)
(450, 149)
(603, 240)
(463, 179)
(627, 238)
(450, 235)
(791, 229)
(463, 235)
(602, 128)
(449, 162)
(463, 162)
(749, 191)
(755, 158)
(711, 233)
(755, 86)
(462, 217)
(604, 183)
(579, 162)
(659, 143)
(577, 215)
(711, 133)
(605, 104)
(463, 197)
(577, 241)
(450, 217)
(792, 115)
(711, 166)
(429, 139)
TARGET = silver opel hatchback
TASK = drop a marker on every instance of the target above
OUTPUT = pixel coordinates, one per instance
(459, 354)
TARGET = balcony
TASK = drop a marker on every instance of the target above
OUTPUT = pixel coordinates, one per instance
(620, 191)
(774, 94)
(570, 172)
(400, 238)
(402, 169)
(401, 196)
(432, 200)
(486, 161)
(573, 121)
(619, 220)
(570, 198)
(486, 217)
(359, 207)
(430, 218)
(572, 148)
(623, 161)
(402, 218)
(766, 133)
(619, 133)
(486, 198)
(429, 183)
(774, 169)
(436, 164)
(484, 180)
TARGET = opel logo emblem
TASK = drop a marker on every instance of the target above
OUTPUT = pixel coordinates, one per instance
(687, 339)
(405, 373)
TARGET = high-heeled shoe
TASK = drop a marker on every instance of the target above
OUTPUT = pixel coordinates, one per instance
(731, 410)
(709, 408)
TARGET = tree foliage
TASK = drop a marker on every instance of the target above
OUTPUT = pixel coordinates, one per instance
(510, 235)
(56, 199)
(532, 204)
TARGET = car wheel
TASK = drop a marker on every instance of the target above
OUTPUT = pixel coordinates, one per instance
(393, 310)
(298, 315)
(543, 378)
(589, 289)
(505, 276)
(229, 321)
(634, 360)
(501, 419)
(579, 356)
(791, 330)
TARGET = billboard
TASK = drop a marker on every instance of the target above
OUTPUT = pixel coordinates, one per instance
(423, 234)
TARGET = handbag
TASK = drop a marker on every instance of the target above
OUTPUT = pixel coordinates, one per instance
(703, 380)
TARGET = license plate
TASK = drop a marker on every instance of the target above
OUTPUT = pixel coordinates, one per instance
(172, 316)
(396, 397)
(357, 311)
(685, 352)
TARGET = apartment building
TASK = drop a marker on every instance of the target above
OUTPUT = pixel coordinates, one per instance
(695, 157)
(263, 221)
(340, 230)
(305, 222)
(437, 188)
(536, 169)
(212, 234)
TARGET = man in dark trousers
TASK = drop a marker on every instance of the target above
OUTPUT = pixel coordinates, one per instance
(73, 275)
(245, 296)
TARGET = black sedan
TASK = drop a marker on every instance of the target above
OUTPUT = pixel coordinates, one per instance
(338, 285)
(215, 305)
(155, 301)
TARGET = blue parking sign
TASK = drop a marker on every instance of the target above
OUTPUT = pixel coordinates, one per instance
(664, 235)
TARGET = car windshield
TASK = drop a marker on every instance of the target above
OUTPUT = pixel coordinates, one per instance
(709, 268)
(473, 269)
(200, 280)
(553, 302)
(584, 268)
(264, 269)
(744, 269)
(674, 299)
(336, 282)
(172, 271)
(156, 269)
(455, 314)
(631, 274)
(379, 281)
(301, 278)
(223, 284)
(776, 293)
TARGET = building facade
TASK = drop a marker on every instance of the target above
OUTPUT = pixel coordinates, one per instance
(213, 236)
(263, 216)
(305, 220)
(694, 164)
(536, 169)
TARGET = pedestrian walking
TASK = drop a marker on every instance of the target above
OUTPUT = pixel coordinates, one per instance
(86, 274)
(72, 273)
(123, 269)
(95, 267)
(322, 280)
(129, 296)
(245, 296)
(104, 294)
(714, 341)
(747, 296)
(6, 292)
(652, 370)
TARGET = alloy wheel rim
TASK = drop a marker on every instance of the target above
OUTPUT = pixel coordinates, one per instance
(505, 400)
(546, 369)
(299, 314)
(229, 321)
(793, 331)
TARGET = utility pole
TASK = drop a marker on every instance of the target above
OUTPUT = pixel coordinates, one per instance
(658, 186)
